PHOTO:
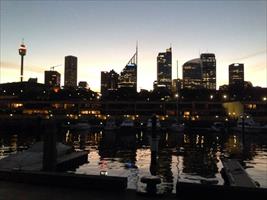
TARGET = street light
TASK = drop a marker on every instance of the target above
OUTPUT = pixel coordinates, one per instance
(211, 97)
(264, 98)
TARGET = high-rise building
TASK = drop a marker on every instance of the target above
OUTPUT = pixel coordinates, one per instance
(164, 68)
(236, 74)
(192, 74)
(208, 63)
(200, 72)
(70, 79)
(109, 81)
(52, 78)
(128, 76)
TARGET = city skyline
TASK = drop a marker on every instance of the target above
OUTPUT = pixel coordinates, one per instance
(103, 38)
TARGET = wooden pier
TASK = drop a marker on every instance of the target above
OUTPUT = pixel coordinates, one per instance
(32, 159)
(236, 175)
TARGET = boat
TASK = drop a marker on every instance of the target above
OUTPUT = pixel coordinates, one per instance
(250, 126)
(176, 127)
(80, 126)
(111, 125)
(149, 125)
(218, 127)
(127, 125)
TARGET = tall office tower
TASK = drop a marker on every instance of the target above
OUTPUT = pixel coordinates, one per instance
(236, 74)
(192, 74)
(164, 68)
(128, 76)
(70, 79)
(208, 62)
(52, 78)
(109, 81)
(22, 53)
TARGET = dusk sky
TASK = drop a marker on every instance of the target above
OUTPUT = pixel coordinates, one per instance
(103, 34)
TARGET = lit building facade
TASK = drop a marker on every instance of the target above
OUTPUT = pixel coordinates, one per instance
(52, 78)
(128, 76)
(208, 63)
(109, 81)
(236, 74)
(70, 71)
(164, 68)
(192, 74)
(177, 85)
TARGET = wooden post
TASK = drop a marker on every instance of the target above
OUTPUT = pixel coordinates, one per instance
(49, 146)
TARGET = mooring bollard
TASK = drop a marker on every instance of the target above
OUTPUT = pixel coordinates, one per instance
(49, 146)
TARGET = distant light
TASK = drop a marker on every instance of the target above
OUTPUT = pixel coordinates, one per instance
(103, 173)
(216, 116)
(264, 98)
(44, 91)
(211, 96)
(176, 95)
(224, 96)
(21, 90)
(10, 115)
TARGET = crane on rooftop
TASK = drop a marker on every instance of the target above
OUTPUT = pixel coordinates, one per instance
(53, 67)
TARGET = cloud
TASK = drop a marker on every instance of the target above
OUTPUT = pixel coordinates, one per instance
(251, 55)
(15, 66)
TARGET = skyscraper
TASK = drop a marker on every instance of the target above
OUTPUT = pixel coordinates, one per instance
(109, 81)
(70, 79)
(52, 78)
(128, 76)
(192, 74)
(208, 62)
(236, 74)
(164, 68)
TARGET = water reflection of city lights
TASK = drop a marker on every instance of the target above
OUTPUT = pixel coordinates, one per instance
(202, 139)
(197, 139)
(103, 173)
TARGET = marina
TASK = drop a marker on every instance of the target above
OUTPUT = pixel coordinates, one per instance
(188, 157)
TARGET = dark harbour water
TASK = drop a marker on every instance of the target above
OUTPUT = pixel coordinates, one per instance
(189, 157)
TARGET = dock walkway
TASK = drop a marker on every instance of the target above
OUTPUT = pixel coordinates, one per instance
(32, 159)
(236, 174)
